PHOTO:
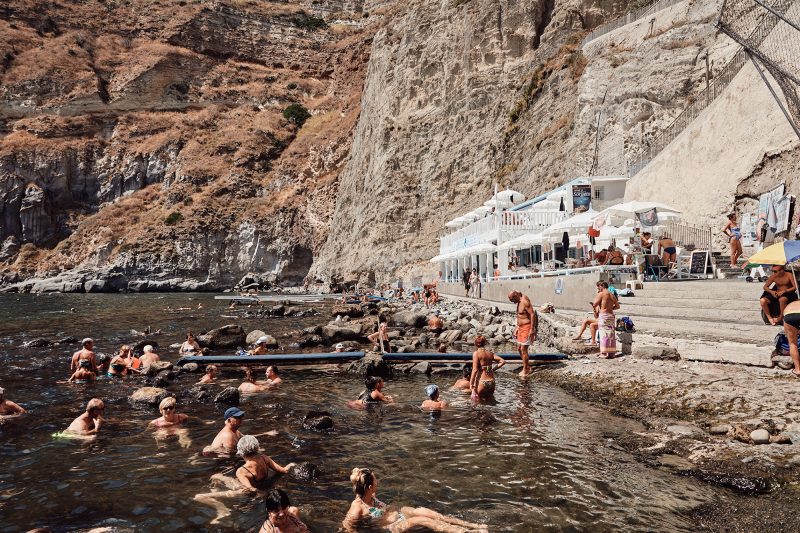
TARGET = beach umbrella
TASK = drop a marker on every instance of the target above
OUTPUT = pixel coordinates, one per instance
(780, 253)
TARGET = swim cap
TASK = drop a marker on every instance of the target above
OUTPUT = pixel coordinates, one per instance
(431, 390)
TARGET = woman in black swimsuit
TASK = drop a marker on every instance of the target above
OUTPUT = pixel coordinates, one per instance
(614, 257)
(254, 474)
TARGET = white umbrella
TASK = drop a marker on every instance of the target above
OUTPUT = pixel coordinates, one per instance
(477, 249)
(524, 241)
(630, 209)
(579, 224)
(506, 198)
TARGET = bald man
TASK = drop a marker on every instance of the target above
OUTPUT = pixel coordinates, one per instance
(526, 328)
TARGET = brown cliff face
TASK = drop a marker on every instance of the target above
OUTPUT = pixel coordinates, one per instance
(146, 142)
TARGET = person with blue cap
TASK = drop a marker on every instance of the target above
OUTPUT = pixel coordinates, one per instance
(227, 439)
(433, 403)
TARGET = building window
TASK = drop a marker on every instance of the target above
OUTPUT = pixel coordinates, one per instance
(598, 193)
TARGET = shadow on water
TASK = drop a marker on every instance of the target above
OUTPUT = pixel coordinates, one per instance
(536, 460)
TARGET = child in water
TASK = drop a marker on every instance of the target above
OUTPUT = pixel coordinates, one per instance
(433, 403)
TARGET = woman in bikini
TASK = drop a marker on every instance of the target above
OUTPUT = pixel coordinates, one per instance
(734, 234)
(367, 510)
(282, 517)
(189, 346)
(122, 364)
(482, 381)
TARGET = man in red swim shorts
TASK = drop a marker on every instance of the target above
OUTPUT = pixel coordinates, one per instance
(526, 328)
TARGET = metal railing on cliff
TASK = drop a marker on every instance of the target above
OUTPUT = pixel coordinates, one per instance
(627, 18)
(703, 99)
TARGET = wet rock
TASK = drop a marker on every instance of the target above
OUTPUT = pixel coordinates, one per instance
(148, 396)
(228, 336)
(760, 436)
(372, 364)
(163, 378)
(292, 311)
(318, 421)
(228, 396)
(36, 343)
(409, 318)
(304, 471)
(201, 394)
(157, 367)
(190, 367)
(313, 340)
(67, 340)
(720, 429)
(353, 311)
(253, 336)
(333, 333)
(656, 353)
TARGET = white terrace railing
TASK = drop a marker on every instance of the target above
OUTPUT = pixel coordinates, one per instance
(514, 224)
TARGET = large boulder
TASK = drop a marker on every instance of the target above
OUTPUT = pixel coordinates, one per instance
(158, 366)
(253, 336)
(190, 367)
(450, 336)
(353, 311)
(333, 333)
(228, 396)
(318, 421)
(229, 336)
(372, 364)
(409, 318)
(148, 396)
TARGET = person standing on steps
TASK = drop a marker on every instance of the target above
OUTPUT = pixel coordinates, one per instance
(526, 328)
(734, 234)
(784, 293)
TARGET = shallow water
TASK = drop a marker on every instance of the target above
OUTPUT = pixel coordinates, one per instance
(538, 460)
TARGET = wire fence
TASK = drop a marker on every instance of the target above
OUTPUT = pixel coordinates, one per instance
(627, 18)
(689, 236)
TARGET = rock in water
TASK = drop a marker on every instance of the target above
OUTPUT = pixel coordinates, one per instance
(410, 318)
(759, 436)
(253, 336)
(318, 421)
(372, 364)
(148, 396)
(36, 343)
(190, 367)
(229, 336)
(157, 367)
(304, 471)
(229, 396)
(333, 333)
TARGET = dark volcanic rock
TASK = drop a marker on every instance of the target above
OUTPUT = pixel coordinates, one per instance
(304, 471)
(229, 336)
(372, 364)
(148, 396)
(36, 343)
(229, 396)
(409, 318)
(318, 421)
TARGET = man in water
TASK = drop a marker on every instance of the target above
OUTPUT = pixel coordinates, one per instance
(339, 348)
(226, 440)
(86, 353)
(272, 376)
(605, 303)
(784, 293)
(261, 346)
(90, 421)
(526, 328)
(149, 357)
(7, 407)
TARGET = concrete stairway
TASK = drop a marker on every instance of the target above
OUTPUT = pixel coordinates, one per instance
(723, 268)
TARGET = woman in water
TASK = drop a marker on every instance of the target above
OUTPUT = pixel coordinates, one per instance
(169, 418)
(372, 395)
(122, 364)
(282, 517)
(734, 234)
(367, 510)
(189, 346)
(210, 376)
(482, 380)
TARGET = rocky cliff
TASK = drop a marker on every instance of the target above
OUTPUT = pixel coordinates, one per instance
(155, 145)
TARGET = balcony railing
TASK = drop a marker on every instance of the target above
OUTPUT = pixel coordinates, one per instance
(514, 224)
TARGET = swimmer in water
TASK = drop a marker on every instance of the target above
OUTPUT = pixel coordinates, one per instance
(86, 353)
(482, 382)
(462, 383)
(367, 510)
(149, 356)
(83, 373)
(372, 395)
(123, 363)
(189, 346)
(282, 517)
(433, 403)
(90, 421)
(210, 376)
(169, 417)
(226, 440)
(249, 384)
(273, 378)
(7, 407)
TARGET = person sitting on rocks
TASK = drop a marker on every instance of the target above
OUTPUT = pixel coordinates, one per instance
(784, 293)
(373, 394)
(7, 407)
(282, 517)
(249, 384)
(591, 323)
(614, 256)
(169, 417)
(433, 403)
(210, 376)
(435, 323)
(462, 383)
(86, 353)
(89, 423)
(190, 345)
(149, 356)
(226, 440)
(260, 346)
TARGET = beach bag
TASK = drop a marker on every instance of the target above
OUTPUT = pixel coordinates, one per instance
(625, 324)
(782, 344)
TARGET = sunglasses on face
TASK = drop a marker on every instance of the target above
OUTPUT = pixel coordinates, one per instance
(169, 409)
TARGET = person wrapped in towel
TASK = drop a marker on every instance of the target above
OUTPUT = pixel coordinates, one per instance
(606, 304)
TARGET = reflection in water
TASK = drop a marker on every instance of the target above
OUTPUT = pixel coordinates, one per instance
(537, 460)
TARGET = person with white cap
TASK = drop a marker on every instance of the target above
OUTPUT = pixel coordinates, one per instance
(226, 440)
(149, 356)
(433, 403)
(7, 407)
(260, 346)
(339, 348)
(84, 358)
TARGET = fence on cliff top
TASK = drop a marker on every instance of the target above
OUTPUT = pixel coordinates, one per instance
(627, 18)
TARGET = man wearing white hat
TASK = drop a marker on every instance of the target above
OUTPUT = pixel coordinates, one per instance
(260, 346)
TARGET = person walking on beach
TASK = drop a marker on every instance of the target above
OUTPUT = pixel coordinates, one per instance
(526, 328)
(734, 234)
(784, 293)
(605, 303)
(86, 353)
(474, 284)
(90, 421)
